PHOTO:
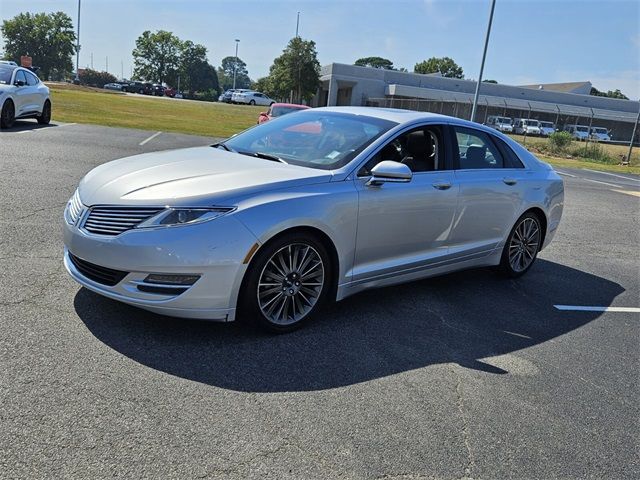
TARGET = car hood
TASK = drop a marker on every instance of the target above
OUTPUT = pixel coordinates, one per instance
(194, 176)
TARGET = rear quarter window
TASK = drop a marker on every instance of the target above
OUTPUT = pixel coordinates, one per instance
(511, 159)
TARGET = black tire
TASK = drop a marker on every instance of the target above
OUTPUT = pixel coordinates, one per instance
(45, 117)
(252, 102)
(249, 304)
(522, 246)
(7, 115)
(141, 91)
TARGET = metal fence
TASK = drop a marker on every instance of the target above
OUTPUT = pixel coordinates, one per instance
(620, 124)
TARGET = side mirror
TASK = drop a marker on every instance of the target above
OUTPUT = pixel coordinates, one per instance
(19, 83)
(389, 171)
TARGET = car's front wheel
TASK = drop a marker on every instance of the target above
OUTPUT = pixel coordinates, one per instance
(523, 245)
(7, 115)
(45, 117)
(252, 102)
(287, 282)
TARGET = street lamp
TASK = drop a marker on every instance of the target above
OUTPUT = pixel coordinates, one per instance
(235, 65)
(484, 56)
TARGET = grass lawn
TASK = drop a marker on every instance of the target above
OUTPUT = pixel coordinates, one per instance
(78, 104)
(103, 107)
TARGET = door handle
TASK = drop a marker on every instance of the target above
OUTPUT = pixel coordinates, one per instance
(510, 181)
(442, 185)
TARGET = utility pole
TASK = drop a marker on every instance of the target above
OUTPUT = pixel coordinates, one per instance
(484, 56)
(77, 80)
(121, 70)
(633, 136)
(106, 64)
(297, 24)
(235, 65)
(91, 60)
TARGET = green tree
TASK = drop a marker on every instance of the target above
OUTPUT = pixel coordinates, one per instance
(196, 74)
(225, 73)
(445, 66)
(263, 85)
(611, 94)
(95, 78)
(47, 38)
(296, 72)
(156, 56)
(375, 62)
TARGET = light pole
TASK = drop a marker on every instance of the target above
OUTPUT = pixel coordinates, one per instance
(484, 56)
(235, 65)
(78, 47)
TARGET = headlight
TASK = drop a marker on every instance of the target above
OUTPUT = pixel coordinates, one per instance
(183, 216)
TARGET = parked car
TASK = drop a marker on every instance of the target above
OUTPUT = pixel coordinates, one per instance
(8, 62)
(22, 95)
(246, 232)
(253, 98)
(142, 88)
(578, 132)
(169, 92)
(600, 134)
(226, 96)
(502, 124)
(237, 92)
(547, 128)
(279, 109)
(523, 126)
(112, 86)
(157, 90)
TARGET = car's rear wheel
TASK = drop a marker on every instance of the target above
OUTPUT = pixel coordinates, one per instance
(45, 117)
(252, 102)
(523, 245)
(7, 115)
(287, 282)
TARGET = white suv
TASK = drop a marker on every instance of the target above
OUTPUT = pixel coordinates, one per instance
(502, 124)
(600, 134)
(523, 126)
(22, 95)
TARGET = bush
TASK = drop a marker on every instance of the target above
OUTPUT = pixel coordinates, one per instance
(559, 141)
(594, 152)
(94, 78)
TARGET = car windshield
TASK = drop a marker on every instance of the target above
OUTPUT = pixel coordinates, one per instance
(5, 74)
(531, 123)
(600, 130)
(546, 124)
(506, 121)
(582, 129)
(279, 111)
(312, 138)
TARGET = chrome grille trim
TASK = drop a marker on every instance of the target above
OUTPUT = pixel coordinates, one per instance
(113, 221)
(74, 208)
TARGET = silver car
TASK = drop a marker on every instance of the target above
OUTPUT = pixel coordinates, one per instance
(309, 207)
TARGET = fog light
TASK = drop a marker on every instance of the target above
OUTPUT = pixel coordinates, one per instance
(164, 279)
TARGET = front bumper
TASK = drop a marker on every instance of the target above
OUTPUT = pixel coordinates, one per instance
(214, 250)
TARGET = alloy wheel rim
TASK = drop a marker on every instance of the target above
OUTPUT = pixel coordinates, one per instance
(290, 283)
(524, 244)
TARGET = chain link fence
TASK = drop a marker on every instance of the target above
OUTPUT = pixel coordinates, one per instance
(619, 124)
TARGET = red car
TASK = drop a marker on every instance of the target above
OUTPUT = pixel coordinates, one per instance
(169, 92)
(279, 109)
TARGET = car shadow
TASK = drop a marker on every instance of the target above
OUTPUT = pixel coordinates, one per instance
(463, 318)
(26, 125)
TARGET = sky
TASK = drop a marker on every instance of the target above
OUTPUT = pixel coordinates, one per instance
(532, 41)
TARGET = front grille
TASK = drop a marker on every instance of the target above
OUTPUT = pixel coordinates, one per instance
(115, 220)
(103, 275)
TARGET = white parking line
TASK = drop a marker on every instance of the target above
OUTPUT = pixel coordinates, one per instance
(584, 308)
(613, 175)
(150, 138)
(565, 174)
(603, 183)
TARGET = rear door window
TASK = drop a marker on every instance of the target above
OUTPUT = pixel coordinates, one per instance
(476, 150)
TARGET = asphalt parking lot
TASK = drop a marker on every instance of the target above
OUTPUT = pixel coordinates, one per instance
(463, 376)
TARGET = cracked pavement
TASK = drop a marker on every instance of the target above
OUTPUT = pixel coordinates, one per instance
(464, 376)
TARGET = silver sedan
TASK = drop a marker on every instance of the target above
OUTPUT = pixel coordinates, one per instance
(310, 207)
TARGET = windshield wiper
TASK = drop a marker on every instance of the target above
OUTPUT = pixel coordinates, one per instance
(268, 156)
(222, 144)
